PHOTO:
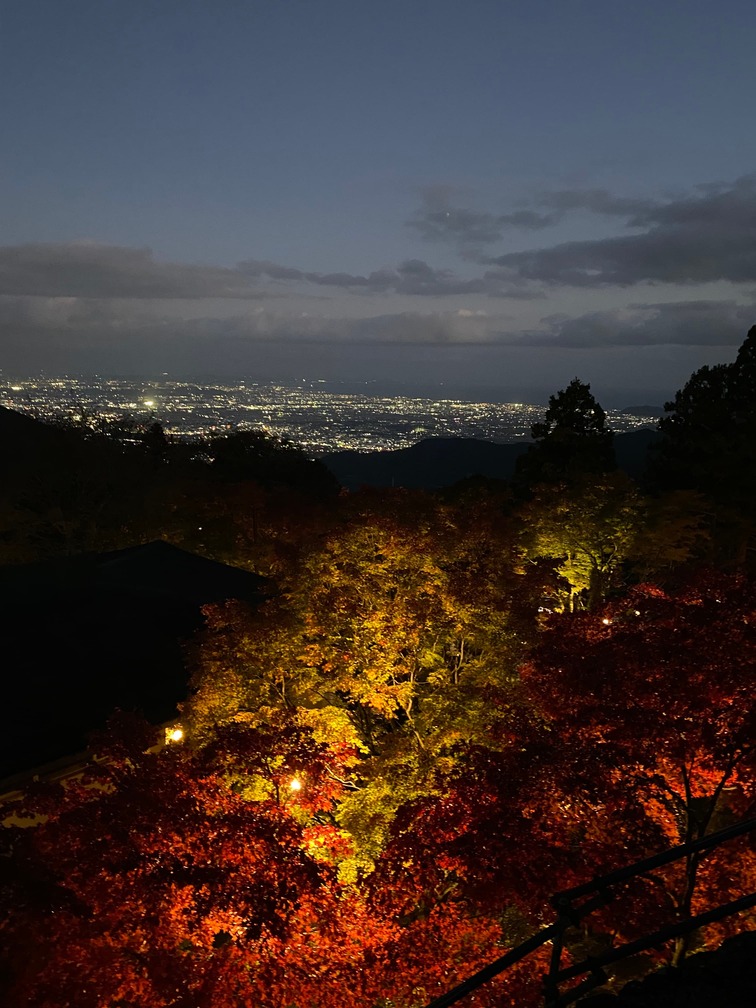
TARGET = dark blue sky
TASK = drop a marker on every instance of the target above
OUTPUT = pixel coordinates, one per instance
(425, 190)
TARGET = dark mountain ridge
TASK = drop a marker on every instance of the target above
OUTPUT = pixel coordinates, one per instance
(439, 462)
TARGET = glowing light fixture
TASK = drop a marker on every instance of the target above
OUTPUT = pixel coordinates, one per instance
(174, 734)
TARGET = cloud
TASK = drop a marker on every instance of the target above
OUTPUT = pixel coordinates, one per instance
(30, 327)
(665, 254)
(438, 221)
(412, 277)
(463, 326)
(706, 236)
(597, 201)
(104, 323)
(68, 335)
(92, 270)
(681, 323)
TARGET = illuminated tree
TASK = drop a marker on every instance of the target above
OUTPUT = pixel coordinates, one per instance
(602, 530)
(188, 876)
(661, 689)
(156, 881)
(373, 716)
(638, 735)
(590, 528)
(393, 635)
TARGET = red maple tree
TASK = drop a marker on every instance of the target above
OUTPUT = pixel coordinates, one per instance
(154, 881)
(638, 734)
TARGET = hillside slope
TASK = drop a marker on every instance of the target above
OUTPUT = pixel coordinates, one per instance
(439, 462)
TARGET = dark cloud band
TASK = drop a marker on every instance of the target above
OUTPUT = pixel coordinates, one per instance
(705, 237)
(91, 270)
(680, 323)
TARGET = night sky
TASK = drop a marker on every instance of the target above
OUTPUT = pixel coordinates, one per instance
(464, 192)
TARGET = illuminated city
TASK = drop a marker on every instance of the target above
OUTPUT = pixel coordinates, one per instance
(320, 421)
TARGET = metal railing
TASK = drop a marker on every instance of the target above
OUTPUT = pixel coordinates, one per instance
(596, 894)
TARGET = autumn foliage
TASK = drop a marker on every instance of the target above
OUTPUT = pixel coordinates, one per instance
(288, 857)
(449, 709)
(161, 884)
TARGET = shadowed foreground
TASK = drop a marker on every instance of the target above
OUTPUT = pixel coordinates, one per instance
(722, 979)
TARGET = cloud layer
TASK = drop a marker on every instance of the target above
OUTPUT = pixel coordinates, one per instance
(681, 323)
(92, 270)
(111, 302)
(412, 277)
(705, 237)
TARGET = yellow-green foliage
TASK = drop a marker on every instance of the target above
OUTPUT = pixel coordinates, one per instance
(393, 636)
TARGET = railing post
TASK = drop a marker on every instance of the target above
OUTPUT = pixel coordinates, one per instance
(563, 907)
(567, 916)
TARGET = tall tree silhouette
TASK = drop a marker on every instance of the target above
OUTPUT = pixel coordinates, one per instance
(571, 441)
(709, 442)
(269, 460)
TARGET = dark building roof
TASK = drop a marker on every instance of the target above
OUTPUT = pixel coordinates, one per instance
(161, 570)
(84, 635)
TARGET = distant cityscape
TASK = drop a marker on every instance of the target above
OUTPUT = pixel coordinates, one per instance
(309, 413)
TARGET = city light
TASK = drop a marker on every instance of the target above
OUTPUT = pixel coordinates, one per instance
(311, 414)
